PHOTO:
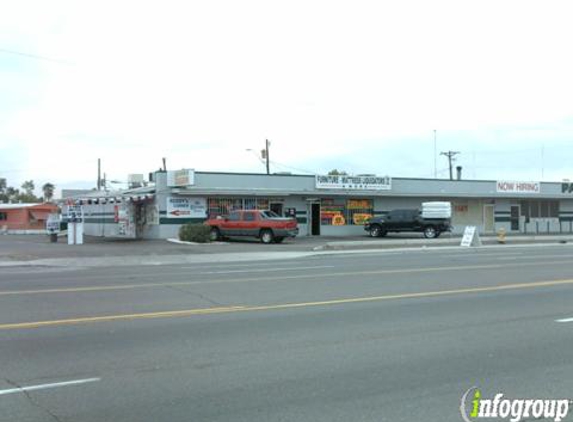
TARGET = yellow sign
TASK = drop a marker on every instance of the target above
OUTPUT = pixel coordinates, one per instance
(361, 218)
(338, 220)
(357, 204)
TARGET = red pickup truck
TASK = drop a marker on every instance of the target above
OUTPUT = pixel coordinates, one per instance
(264, 225)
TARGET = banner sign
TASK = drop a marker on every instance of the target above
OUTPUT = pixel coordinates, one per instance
(186, 207)
(518, 187)
(181, 178)
(353, 182)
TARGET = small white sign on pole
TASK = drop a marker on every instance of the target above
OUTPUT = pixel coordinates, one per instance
(471, 237)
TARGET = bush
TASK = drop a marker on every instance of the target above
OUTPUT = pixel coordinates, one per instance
(194, 233)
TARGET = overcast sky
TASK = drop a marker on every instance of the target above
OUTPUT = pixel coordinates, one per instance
(357, 85)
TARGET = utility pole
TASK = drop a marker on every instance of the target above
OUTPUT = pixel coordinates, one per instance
(450, 155)
(265, 155)
(164, 164)
(99, 174)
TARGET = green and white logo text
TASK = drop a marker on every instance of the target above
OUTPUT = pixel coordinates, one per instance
(475, 407)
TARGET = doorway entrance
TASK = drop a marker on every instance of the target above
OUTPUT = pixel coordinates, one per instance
(315, 219)
(488, 218)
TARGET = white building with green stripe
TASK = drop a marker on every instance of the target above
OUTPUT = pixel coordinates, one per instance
(323, 205)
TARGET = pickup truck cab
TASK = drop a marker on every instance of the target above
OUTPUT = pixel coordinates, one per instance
(408, 220)
(264, 225)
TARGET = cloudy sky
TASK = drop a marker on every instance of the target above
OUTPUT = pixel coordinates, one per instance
(357, 85)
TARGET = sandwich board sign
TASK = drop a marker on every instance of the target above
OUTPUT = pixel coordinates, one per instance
(471, 237)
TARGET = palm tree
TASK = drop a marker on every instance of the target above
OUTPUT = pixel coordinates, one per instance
(48, 190)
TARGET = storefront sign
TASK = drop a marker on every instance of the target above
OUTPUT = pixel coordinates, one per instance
(566, 187)
(75, 214)
(53, 223)
(354, 182)
(179, 178)
(518, 187)
(186, 207)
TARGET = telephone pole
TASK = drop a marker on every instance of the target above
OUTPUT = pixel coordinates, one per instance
(99, 174)
(265, 155)
(450, 155)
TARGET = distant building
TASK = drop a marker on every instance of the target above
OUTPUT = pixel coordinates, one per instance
(72, 193)
(25, 218)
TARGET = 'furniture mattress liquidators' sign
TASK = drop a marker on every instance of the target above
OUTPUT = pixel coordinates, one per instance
(186, 207)
(518, 187)
(354, 182)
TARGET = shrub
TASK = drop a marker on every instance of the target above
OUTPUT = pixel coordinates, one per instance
(194, 233)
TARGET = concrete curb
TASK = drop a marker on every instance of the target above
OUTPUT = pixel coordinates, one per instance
(435, 243)
(183, 242)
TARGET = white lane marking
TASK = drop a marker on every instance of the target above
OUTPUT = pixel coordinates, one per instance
(45, 386)
(489, 254)
(534, 256)
(564, 320)
(265, 270)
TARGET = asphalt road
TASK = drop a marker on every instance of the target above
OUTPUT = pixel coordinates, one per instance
(377, 336)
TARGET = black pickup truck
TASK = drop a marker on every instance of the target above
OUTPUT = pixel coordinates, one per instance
(407, 221)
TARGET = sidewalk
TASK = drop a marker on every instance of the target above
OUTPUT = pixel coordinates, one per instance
(30, 250)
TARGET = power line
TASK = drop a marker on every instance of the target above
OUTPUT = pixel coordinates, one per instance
(34, 56)
(294, 168)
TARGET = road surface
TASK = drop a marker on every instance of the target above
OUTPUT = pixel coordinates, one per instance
(378, 336)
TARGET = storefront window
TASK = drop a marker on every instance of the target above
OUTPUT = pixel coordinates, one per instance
(332, 212)
(342, 212)
(540, 209)
(224, 206)
(358, 211)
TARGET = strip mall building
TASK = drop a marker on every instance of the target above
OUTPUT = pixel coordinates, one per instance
(323, 205)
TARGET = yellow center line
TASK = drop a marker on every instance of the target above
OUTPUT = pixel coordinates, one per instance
(232, 309)
(324, 276)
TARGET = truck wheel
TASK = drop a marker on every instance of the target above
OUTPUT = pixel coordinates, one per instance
(377, 231)
(267, 236)
(214, 234)
(430, 232)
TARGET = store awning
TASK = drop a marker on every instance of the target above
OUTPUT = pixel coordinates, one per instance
(40, 215)
(113, 199)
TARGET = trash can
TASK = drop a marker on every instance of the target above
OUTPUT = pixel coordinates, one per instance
(53, 237)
